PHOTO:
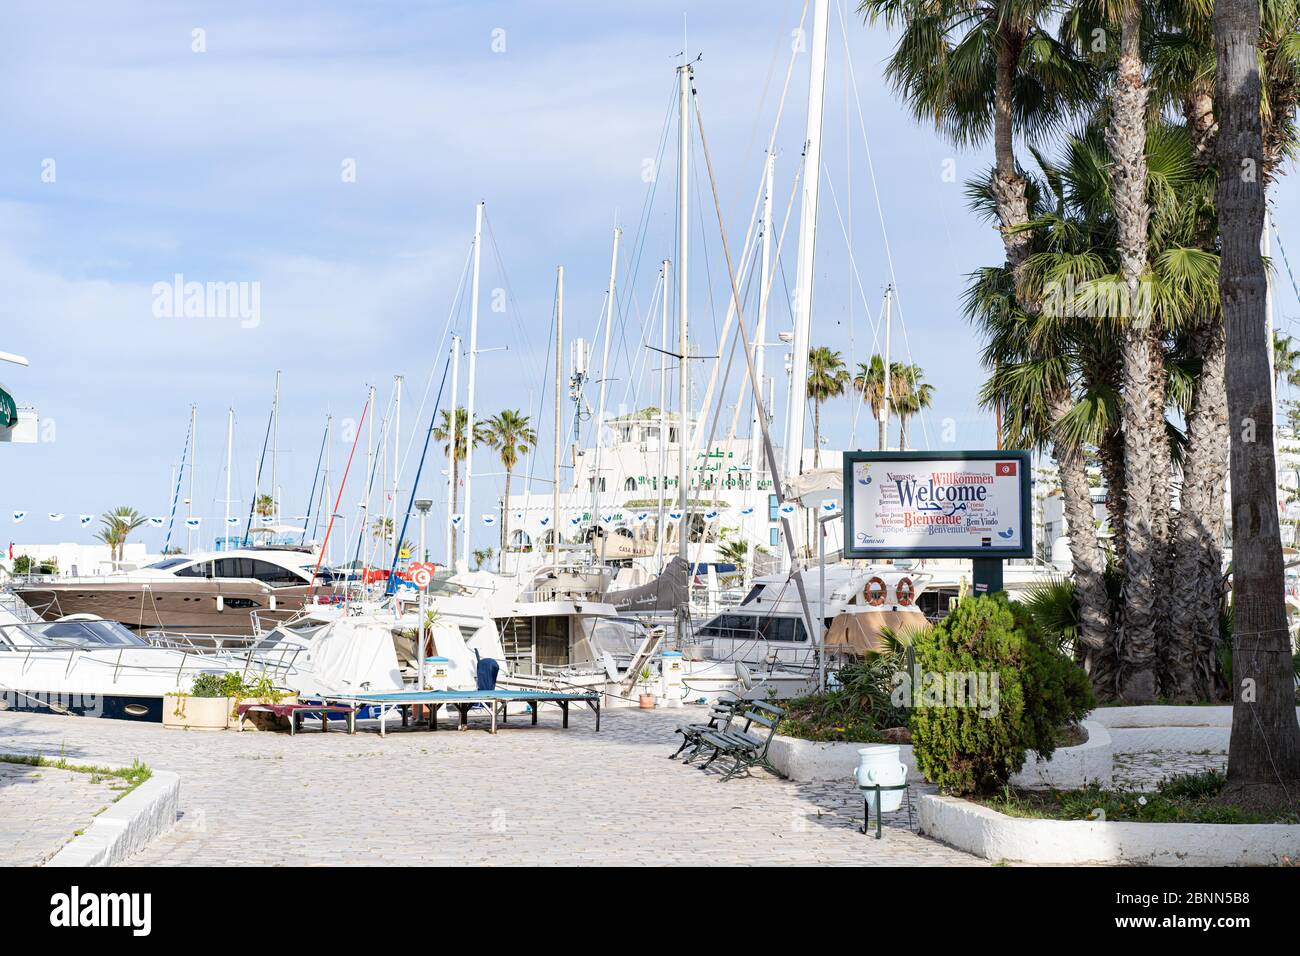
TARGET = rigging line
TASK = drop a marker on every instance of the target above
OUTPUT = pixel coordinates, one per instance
(750, 238)
(311, 495)
(406, 519)
(364, 507)
(880, 212)
(853, 262)
(180, 476)
(541, 399)
(777, 487)
(1285, 261)
(342, 484)
(257, 483)
(455, 306)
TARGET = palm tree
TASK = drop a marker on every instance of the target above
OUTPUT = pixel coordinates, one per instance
(482, 556)
(264, 506)
(511, 433)
(1286, 360)
(987, 70)
(455, 454)
(869, 382)
(382, 528)
(828, 377)
(912, 395)
(1264, 749)
(117, 527)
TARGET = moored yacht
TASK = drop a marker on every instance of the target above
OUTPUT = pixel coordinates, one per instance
(210, 593)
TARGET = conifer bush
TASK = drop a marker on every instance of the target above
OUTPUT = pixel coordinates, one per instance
(1029, 693)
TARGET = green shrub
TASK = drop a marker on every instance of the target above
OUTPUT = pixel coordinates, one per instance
(1032, 691)
(860, 703)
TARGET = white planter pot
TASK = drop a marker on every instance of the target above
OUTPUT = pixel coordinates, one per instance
(879, 765)
(196, 713)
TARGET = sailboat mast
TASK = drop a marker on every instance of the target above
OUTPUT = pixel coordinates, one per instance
(803, 287)
(604, 381)
(756, 426)
(661, 481)
(451, 443)
(275, 448)
(889, 385)
(189, 504)
(469, 400)
(230, 444)
(559, 377)
(683, 338)
(397, 450)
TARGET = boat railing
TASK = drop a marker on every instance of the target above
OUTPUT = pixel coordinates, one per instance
(270, 658)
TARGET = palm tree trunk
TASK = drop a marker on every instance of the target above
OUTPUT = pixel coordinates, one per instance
(817, 434)
(1264, 749)
(1008, 184)
(1126, 137)
(882, 426)
(1190, 652)
(1111, 455)
(505, 513)
(1089, 563)
(455, 507)
(902, 432)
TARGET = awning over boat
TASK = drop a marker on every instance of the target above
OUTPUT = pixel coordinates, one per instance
(861, 632)
(664, 593)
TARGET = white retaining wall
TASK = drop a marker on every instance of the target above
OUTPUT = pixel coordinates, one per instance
(996, 836)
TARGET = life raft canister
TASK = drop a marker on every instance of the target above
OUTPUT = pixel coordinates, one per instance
(875, 591)
(905, 592)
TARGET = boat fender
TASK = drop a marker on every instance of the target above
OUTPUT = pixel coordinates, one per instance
(905, 592)
(875, 591)
(221, 603)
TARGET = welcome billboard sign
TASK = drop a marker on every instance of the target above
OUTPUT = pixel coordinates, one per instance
(970, 504)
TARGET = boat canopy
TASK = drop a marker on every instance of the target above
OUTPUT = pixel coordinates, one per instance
(862, 632)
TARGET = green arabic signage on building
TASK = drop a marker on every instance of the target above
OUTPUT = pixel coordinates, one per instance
(8, 410)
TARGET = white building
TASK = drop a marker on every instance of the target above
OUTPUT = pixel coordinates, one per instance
(78, 559)
(622, 488)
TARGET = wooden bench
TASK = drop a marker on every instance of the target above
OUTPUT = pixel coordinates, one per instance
(745, 748)
(720, 717)
(295, 712)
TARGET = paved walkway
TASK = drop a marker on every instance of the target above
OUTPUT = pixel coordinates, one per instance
(527, 796)
(41, 808)
(1143, 771)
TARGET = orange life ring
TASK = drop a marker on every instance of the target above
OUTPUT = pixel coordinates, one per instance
(875, 597)
(905, 592)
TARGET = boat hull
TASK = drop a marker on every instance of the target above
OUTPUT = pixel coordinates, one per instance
(112, 706)
(172, 605)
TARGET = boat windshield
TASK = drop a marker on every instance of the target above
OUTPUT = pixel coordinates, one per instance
(167, 564)
(86, 634)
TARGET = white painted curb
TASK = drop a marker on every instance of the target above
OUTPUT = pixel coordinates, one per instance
(996, 836)
(128, 826)
(1069, 768)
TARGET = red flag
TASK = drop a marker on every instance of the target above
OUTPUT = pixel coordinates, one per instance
(1005, 469)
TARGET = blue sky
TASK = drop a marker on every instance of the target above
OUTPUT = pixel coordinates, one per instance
(227, 165)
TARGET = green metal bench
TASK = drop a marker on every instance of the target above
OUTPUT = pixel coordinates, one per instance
(745, 748)
(720, 718)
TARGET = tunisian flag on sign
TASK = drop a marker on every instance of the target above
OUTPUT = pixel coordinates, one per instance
(1005, 469)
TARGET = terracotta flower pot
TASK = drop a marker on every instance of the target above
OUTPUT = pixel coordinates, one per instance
(647, 701)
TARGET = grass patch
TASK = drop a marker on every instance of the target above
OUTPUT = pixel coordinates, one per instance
(1188, 798)
(122, 780)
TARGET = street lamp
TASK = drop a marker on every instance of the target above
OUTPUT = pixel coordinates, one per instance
(422, 505)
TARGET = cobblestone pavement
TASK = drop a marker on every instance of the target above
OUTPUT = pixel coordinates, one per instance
(42, 807)
(1143, 771)
(528, 795)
